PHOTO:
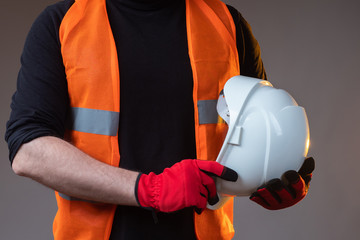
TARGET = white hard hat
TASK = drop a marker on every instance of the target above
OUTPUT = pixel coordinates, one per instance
(268, 135)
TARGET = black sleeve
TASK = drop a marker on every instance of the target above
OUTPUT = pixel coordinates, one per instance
(40, 103)
(251, 64)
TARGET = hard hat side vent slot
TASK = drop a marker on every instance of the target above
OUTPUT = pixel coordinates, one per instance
(236, 136)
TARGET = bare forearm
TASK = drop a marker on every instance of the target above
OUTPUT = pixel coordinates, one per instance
(62, 167)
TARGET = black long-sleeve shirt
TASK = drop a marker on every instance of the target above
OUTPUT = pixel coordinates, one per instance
(156, 106)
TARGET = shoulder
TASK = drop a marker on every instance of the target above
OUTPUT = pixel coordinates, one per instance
(49, 20)
(248, 47)
(239, 20)
(55, 12)
(244, 32)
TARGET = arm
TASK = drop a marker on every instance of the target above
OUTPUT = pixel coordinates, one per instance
(38, 119)
(60, 166)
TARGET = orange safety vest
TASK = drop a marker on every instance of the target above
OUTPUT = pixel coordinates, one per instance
(92, 71)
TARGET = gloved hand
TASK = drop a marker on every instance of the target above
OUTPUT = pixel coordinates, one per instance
(186, 184)
(277, 194)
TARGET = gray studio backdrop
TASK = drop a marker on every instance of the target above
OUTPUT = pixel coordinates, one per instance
(311, 49)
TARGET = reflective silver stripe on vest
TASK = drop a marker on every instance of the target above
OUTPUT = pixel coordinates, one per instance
(207, 111)
(95, 121)
(64, 196)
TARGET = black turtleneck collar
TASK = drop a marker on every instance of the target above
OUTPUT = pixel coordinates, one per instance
(146, 4)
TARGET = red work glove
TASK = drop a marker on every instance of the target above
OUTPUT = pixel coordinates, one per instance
(186, 184)
(277, 194)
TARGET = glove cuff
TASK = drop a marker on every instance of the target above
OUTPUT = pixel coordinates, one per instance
(137, 187)
(147, 190)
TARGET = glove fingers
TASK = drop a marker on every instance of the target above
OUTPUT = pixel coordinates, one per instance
(218, 170)
(259, 200)
(291, 178)
(275, 195)
(229, 175)
(307, 167)
(269, 197)
(299, 187)
(307, 179)
(279, 191)
(296, 184)
(201, 202)
(211, 168)
(210, 186)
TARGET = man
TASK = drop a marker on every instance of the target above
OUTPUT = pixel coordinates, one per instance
(99, 78)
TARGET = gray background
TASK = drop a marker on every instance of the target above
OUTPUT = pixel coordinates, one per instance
(311, 49)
